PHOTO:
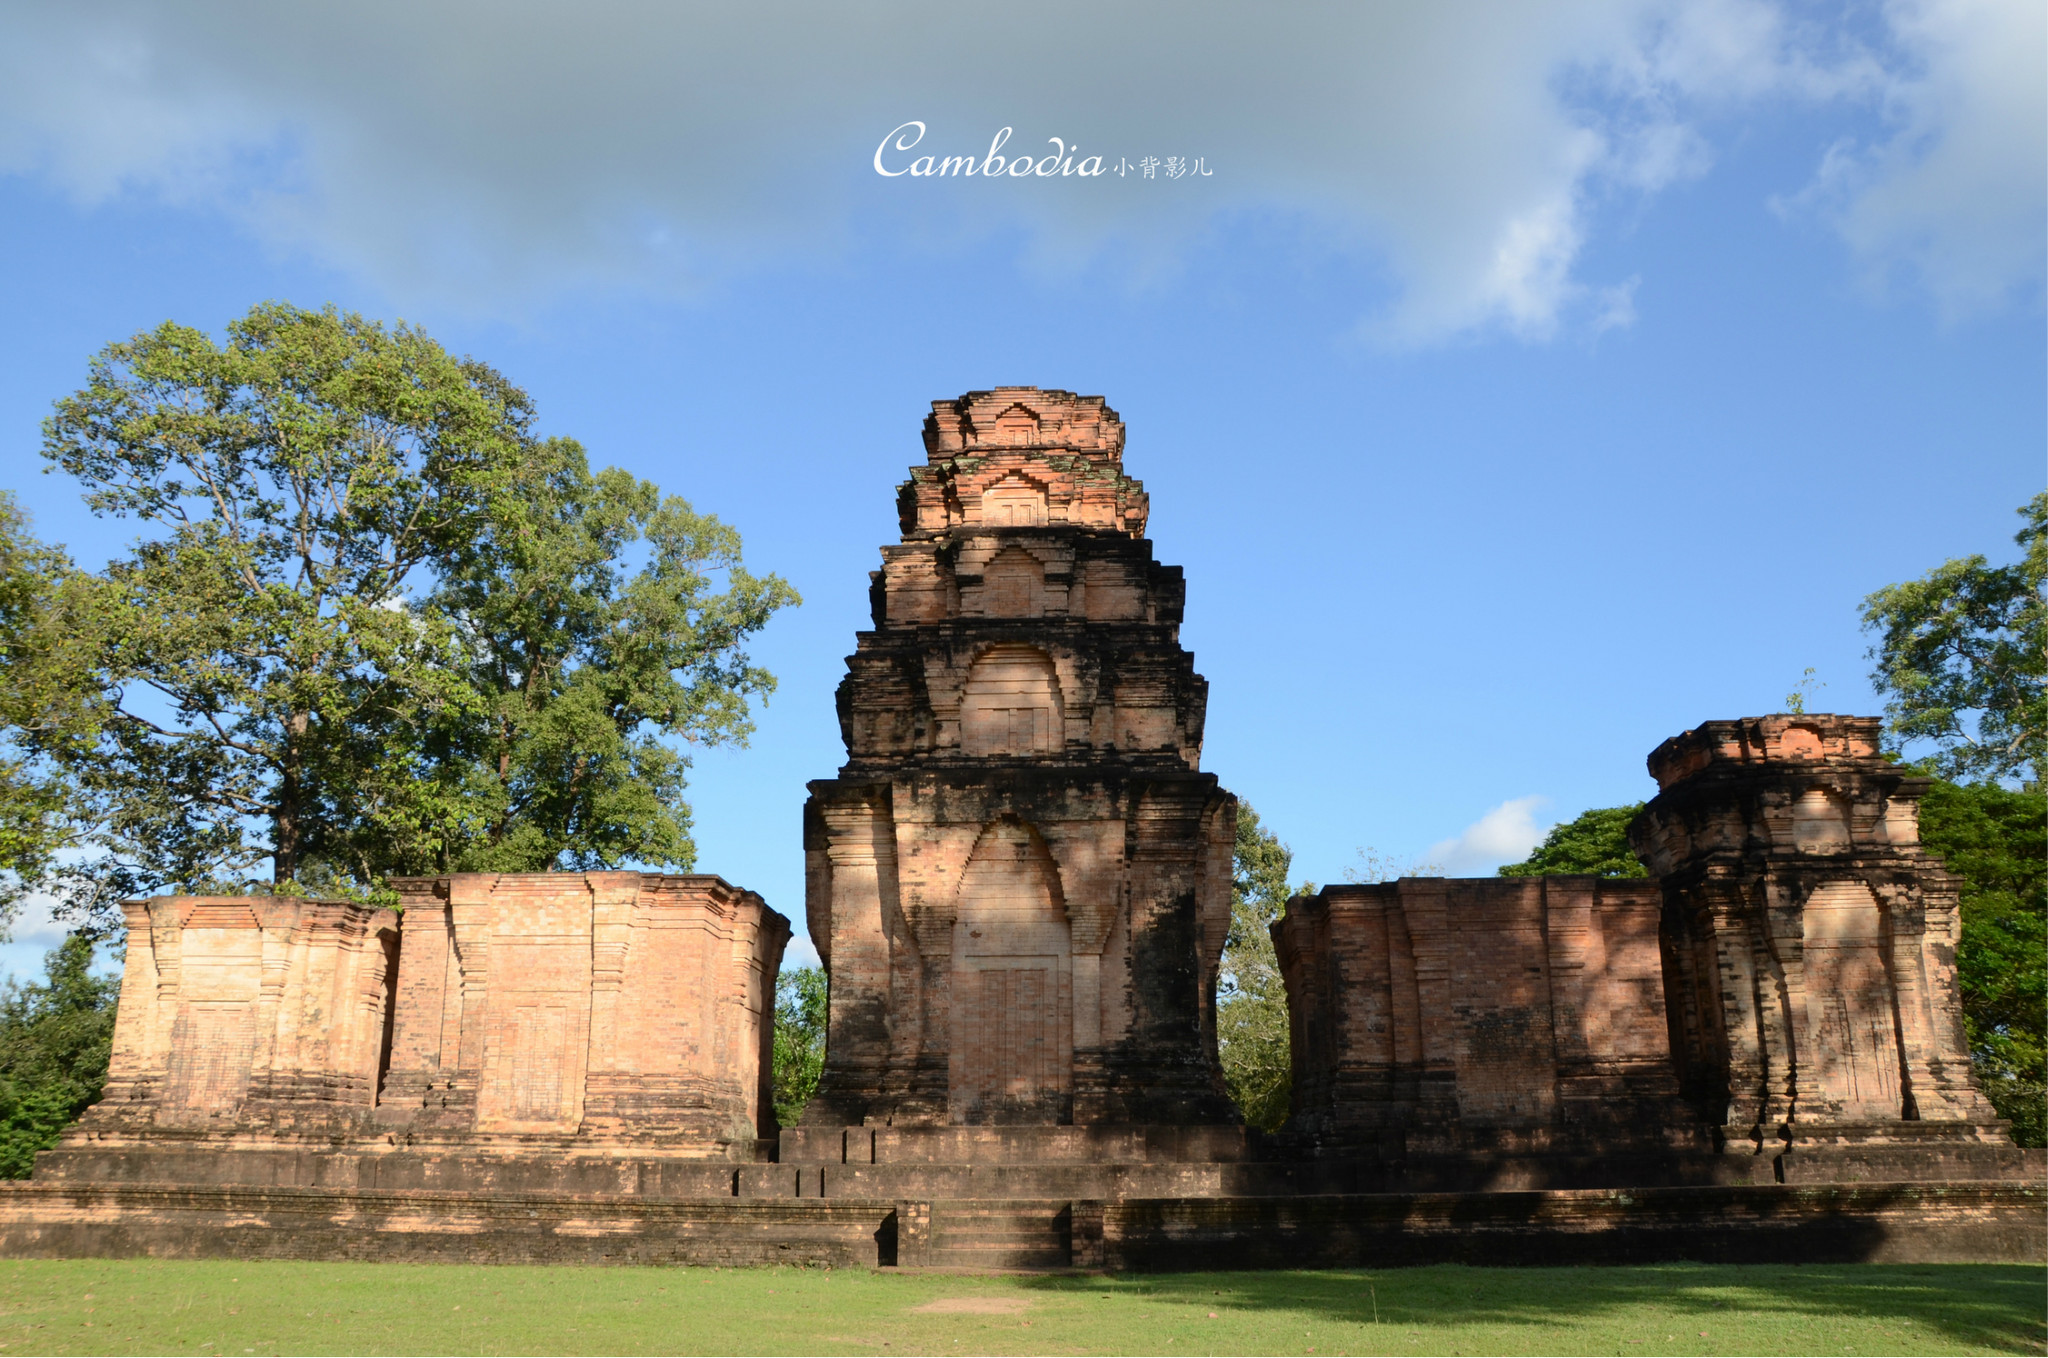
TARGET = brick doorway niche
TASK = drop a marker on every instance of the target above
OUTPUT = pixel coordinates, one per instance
(1013, 964)
(1011, 704)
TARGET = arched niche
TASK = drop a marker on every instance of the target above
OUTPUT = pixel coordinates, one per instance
(1014, 502)
(1011, 704)
(1012, 1058)
(1017, 426)
(1013, 585)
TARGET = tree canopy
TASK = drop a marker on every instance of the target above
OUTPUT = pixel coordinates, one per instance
(1252, 1031)
(1991, 837)
(1594, 841)
(583, 669)
(1961, 655)
(800, 1012)
(45, 701)
(375, 625)
(55, 1041)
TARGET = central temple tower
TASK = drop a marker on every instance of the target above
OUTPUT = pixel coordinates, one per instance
(1020, 879)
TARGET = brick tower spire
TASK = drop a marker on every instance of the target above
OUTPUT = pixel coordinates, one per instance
(1020, 879)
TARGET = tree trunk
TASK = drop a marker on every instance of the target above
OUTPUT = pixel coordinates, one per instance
(284, 861)
(498, 825)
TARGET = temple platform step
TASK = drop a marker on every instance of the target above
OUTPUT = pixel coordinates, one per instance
(1982, 1222)
(370, 1167)
(1026, 1234)
(1115, 1143)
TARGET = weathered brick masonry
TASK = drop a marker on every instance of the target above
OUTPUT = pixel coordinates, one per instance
(610, 1009)
(248, 1013)
(1020, 883)
(576, 1031)
(1021, 878)
(1778, 1003)
(1465, 1019)
(1810, 951)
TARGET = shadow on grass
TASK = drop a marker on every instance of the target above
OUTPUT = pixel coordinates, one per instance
(1996, 1306)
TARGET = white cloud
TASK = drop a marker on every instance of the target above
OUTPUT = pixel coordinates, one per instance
(32, 924)
(28, 938)
(1465, 146)
(1956, 197)
(1505, 834)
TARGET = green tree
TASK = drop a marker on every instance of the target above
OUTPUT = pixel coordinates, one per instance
(1991, 837)
(800, 1009)
(1961, 656)
(55, 1039)
(1252, 1029)
(368, 633)
(588, 670)
(1595, 841)
(302, 479)
(46, 701)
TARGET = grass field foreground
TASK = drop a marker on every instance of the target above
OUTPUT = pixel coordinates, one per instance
(206, 1307)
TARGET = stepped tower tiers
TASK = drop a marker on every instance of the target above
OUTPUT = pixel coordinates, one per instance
(1020, 879)
(1809, 941)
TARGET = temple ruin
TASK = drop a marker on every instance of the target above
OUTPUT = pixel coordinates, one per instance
(1020, 882)
(550, 1030)
(1810, 949)
(1777, 1003)
(1021, 878)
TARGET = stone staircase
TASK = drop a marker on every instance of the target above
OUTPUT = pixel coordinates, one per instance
(1029, 1233)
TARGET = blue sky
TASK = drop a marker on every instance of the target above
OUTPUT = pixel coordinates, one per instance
(1523, 385)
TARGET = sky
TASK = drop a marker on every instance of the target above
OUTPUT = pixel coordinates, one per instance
(1518, 385)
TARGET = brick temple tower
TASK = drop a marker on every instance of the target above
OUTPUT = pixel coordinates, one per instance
(1020, 879)
(1810, 941)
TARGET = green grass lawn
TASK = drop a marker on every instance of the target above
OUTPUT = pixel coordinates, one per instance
(152, 1306)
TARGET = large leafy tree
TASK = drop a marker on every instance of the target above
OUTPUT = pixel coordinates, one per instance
(1595, 841)
(55, 1038)
(1961, 655)
(1252, 1032)
(300, 481)
(324, 654)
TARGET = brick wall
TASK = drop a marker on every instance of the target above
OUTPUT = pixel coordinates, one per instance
(1433, 1015)
(544, 1013)
(248, 1011)
(604, 1008)
(1785, 982)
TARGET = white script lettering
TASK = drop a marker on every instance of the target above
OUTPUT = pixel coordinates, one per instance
(901, 145)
